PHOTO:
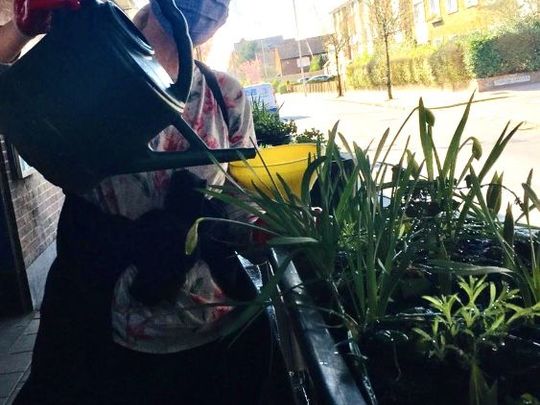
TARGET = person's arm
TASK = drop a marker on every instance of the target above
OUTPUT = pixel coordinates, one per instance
(241, 129)
(29, 19)
(241, 133)
(11, 42)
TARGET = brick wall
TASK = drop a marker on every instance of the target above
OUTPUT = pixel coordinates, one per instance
(36, 202)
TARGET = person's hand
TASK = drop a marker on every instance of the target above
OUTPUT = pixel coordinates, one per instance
(159, 255)
(159, 241)
(33, 17)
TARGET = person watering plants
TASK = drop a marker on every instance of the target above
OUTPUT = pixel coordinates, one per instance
(127, 317)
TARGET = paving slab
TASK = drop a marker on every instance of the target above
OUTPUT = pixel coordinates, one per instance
(17, 338)
(10, 330)
(8, 383)
(9, 400)
(32, 327)
(15, 362)
(25, 343)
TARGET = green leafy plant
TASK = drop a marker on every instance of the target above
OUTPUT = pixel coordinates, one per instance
(505, 51)
(482, 318)
(448, 64)
(445, 204)
(371, 220)
(317, 63)
(269, 127)
(312, 135)
(525, 270)
(373, 224)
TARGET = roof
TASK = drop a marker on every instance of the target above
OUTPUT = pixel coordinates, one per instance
(269, 42)
(309, 46)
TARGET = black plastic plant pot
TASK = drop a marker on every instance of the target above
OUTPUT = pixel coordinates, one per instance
(274, 140)
(348, 165)
(332, 380)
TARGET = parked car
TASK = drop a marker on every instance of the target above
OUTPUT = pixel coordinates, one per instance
(262, 93)
(320, 78)
(302, 80)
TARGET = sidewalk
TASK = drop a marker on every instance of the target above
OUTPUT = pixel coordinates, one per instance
(17, 337)
(434, 98)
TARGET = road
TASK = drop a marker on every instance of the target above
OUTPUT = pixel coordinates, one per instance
(364, 116)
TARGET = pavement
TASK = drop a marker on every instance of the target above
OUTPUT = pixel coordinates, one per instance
(17, 337)
(363, 116)
(405, 98)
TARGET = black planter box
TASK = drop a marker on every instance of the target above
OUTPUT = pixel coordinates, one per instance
(332, 382)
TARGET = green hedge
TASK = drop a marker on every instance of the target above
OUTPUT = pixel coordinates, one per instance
(413, 67)
(422, 65)
(513, 50)
(448, 64)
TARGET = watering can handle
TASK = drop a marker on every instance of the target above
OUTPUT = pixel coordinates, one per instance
(182, 87)
(48, 5)
(197, 155)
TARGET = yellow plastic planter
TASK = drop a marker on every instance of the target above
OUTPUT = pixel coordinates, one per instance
(289, 161)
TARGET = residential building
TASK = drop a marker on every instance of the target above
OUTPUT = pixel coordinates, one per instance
(289, 59)
(438, 21)
(359, 24)
(446, 19)
(424, 21)
(356, 24)
(353, 26)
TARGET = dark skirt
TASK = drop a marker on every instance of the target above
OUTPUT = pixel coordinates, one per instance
(75, 360)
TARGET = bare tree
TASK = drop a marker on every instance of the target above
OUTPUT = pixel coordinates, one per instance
(388, 18)
(337, 42)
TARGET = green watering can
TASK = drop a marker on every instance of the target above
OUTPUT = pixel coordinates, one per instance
(84, 102)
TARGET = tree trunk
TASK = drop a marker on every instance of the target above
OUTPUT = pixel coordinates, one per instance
(388, 78)
(339, 89)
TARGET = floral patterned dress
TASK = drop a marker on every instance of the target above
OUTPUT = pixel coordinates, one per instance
(185, 324)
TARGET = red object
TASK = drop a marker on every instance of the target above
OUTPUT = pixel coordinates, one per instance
(33, 17)
(260, 237)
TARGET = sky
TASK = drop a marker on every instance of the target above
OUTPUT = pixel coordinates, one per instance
(255, 19)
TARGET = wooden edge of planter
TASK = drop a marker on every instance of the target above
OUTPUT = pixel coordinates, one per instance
(333, 382)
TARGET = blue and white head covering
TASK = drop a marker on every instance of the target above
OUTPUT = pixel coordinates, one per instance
(204, 17)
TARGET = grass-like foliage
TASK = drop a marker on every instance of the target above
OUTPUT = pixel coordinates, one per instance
(376, 221)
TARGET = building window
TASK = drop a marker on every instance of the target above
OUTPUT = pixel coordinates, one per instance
(418, 11)
(434, 7)
(304, 62)
(471, 3)
(451, 6)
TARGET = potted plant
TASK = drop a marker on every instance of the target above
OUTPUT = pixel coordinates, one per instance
(270, 129)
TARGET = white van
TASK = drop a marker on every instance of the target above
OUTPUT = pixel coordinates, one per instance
(263, 92)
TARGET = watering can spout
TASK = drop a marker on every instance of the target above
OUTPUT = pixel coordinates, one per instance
(166, 160)
(198, 154)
